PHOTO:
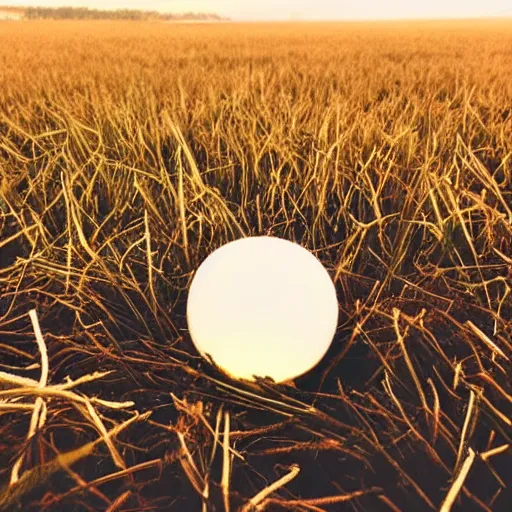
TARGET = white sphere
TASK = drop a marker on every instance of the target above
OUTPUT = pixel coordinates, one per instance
(262, 306)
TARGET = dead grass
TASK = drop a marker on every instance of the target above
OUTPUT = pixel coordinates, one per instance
(128, 152)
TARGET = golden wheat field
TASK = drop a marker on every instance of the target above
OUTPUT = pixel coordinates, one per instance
(130, 151)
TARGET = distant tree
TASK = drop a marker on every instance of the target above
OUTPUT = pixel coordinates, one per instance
(84, 13)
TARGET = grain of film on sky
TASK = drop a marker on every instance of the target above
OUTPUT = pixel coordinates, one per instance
(296, 10)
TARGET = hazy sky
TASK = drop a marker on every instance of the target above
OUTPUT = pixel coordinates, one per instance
(301, 9)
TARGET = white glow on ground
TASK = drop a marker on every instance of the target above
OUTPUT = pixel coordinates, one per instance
(262, 306)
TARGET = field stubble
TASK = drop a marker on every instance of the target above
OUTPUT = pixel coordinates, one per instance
(130, 151)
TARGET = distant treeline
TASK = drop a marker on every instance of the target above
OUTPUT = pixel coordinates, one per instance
(83, 13)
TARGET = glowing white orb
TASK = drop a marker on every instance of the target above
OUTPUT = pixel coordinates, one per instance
(262, 306)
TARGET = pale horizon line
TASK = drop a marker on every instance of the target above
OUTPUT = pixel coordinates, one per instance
(503, 16)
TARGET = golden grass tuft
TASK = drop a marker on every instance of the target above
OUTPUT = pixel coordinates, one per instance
(129, 151)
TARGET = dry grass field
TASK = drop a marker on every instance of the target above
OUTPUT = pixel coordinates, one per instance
(130, 151)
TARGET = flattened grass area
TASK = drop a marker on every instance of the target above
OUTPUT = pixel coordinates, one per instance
(130, 151)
